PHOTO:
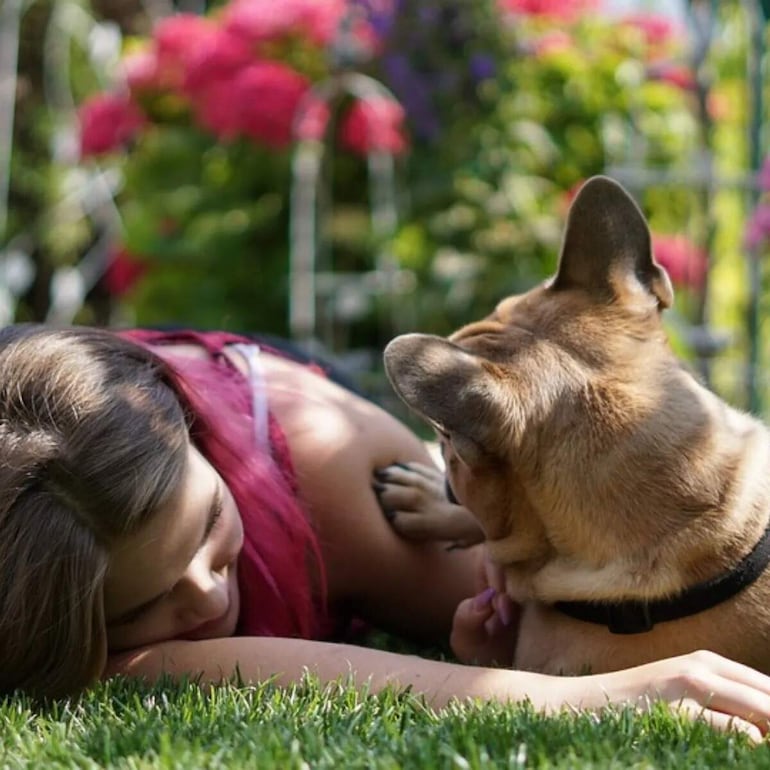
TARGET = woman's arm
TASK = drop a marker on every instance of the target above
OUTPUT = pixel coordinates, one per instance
(701, 684)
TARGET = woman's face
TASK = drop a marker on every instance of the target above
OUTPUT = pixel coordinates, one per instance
(176, 577)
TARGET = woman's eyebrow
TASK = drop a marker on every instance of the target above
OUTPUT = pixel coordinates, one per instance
(215, 509)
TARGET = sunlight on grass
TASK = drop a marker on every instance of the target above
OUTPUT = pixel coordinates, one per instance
(123, 724)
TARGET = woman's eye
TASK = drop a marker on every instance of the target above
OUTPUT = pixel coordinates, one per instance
(215, 517)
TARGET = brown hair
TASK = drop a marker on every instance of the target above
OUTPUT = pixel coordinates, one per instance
(92, 441)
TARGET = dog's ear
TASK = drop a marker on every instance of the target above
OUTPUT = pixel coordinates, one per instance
(452, 389)
(607, 248)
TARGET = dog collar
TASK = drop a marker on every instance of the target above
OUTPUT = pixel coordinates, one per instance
(636, 617)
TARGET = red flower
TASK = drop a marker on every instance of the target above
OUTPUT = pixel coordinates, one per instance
(218, 56)
(267, 94)
(217, 110)
(685, 262)
(259, 102)
(177, 39)
(259, 21)
(107, 121)
(374, 125)
(123, 272)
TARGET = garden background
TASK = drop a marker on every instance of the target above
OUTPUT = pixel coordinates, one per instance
(344, 170)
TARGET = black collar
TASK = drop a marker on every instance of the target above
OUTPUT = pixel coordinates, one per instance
(635, 617)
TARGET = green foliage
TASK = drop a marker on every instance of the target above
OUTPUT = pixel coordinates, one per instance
(484, 189)
(123, 724)
(566, 105)
(214, 219)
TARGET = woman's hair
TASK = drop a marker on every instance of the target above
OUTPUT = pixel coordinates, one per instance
(281, 575)
(92, 441)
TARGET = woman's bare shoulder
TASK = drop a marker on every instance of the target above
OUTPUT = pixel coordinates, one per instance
(324, 420)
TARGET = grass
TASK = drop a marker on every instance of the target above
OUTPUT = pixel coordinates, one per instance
(125, 724)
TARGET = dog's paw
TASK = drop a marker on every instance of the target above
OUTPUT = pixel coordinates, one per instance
(413, 498)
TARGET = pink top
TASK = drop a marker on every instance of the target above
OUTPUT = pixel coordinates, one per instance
(280, 571)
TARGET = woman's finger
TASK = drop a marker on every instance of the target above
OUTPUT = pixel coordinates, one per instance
(412, 474)
(719, 720)
(456, 525)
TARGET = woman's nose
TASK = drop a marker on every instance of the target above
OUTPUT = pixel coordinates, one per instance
(203, 592)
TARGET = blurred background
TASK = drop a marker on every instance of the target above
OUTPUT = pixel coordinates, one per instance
(340, 171)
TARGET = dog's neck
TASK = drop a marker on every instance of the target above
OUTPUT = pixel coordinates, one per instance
(634, 616)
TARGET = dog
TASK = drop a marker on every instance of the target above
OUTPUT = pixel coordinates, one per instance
(626, 503)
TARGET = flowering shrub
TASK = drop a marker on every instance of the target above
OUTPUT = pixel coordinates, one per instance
(202, 130)
(507, 110)
(580, 92)
(239, 75)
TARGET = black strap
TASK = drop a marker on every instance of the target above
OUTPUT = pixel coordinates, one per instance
(635, 617)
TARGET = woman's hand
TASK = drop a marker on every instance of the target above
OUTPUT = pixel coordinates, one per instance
(702, 685)
(413, 498)
(485, 628)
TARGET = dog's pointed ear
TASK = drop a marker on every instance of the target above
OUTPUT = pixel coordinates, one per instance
(449, 387)
(607, 247)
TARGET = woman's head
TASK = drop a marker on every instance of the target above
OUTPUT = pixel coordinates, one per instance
(92, 442)
(176, 577)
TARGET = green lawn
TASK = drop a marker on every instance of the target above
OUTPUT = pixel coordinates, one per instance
(128, 725)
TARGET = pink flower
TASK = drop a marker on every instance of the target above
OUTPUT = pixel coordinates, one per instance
(758, 227)
(267, 94)
(258, 102)
(565, 10)
(658, 30)
(107, 121)
(313, 118)
(217, 111)
(219, 56)
(177, 39)
(374, 125)
(123, 271)
(685, 262)
(260, 21)
(140, 70)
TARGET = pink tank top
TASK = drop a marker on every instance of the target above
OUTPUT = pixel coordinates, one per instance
(280, 571)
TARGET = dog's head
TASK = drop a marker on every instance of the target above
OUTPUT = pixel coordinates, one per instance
(565, 406)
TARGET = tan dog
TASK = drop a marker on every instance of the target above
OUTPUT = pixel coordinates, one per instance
(600, 470)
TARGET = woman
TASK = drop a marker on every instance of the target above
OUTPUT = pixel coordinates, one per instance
(193, 504)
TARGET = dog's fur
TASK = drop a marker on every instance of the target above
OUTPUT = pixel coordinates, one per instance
(597, 466)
